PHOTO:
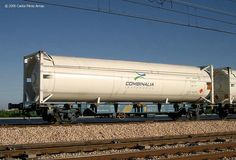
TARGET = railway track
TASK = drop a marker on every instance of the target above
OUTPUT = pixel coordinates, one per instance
(215, 145)
(173, 151)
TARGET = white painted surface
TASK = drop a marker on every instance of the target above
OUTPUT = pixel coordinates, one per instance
(85, 79)
(225, 85)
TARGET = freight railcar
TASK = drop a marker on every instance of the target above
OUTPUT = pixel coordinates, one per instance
(225, 90)
(53, 80)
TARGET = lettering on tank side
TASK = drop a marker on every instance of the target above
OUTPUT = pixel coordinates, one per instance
(148, 84)
(137, 77)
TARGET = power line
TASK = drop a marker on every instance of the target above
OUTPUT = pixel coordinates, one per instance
(133, 16)
(202, 7)
(180, 12)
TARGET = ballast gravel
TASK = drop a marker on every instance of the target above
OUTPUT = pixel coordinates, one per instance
(115, 151)
(87, 132)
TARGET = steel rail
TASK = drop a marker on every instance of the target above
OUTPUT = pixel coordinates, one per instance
(88, 146)
(164, 152)
(209, 156)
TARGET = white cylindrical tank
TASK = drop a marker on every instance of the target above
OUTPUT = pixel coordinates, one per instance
(225, 85)
(71, 79)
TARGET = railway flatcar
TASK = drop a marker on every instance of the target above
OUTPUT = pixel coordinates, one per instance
(51, 81)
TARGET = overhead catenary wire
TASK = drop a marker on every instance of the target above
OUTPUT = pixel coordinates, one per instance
(179, 12)
(133, 16)
(202, 7)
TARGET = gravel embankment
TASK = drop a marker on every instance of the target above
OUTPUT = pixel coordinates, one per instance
(49, 134)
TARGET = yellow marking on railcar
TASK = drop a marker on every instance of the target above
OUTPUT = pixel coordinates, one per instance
(145, 109)
(128, 108)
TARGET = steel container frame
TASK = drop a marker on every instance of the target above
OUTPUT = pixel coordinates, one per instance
(71, 79)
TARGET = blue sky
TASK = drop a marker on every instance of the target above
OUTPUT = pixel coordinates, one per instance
(70, 32)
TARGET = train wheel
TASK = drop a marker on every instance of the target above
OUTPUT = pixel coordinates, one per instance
(223, 113)
(121, 115)
(173, 116)
(73, 118)
(56, 116)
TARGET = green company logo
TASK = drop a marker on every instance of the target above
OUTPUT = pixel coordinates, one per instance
(140, 75)
(139, 84)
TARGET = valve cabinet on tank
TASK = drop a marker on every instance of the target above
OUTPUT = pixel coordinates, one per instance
(225, 85)
(50, 78)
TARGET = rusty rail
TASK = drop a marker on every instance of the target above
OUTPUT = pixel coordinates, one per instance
(172, 151)
(54, 148)
(209, 156)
